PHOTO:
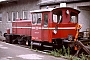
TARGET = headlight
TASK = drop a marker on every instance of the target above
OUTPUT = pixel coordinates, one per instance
(70, 37)
(55, 31)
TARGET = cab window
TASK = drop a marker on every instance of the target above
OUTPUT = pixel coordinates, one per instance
(45, 20)
(57, 17)
(36, 18)
(73, 17)
(39, 18)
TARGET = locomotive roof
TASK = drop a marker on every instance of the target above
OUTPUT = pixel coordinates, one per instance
(51, 9)
(42, 10)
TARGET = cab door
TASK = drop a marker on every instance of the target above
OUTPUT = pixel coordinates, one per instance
(45, 23)
(36, 26)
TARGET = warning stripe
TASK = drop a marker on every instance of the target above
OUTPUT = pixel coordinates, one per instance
(21, 27)
(46, 28)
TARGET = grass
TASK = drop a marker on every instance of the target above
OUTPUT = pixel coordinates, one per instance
(60, 52)
(65, 53)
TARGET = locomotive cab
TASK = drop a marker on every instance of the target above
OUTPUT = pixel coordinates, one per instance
(54, 24)
(64, 21)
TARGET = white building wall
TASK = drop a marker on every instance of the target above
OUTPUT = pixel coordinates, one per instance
(84, 16)
(22, 5)
(84, 19)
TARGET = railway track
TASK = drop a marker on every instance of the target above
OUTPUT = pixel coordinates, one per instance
(48, 48)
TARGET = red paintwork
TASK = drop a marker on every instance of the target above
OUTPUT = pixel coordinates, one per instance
(21, 23)
(36, 33)
(22, 31)
(21, 27)
(63, 33)
(66, 18)
(41, 33)
(47, 34)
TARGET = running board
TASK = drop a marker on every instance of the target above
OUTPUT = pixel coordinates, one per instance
(48, 46)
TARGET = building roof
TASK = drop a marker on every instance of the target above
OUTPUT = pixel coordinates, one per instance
(7, 1)
(60, 1)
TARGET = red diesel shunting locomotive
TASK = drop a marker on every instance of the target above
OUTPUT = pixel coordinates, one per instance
(52, 26)
(56, 25)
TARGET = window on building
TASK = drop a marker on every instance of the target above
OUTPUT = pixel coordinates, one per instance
(14, 16)
(34, 18)
(30, 16)
(0, 16)
(25, 15)
(8, 17)
(17, 13)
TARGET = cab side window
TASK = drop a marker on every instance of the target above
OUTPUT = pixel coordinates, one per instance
(73, 17)
(36, 18)
(39, 18)
(45, 19)
(57, 16)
